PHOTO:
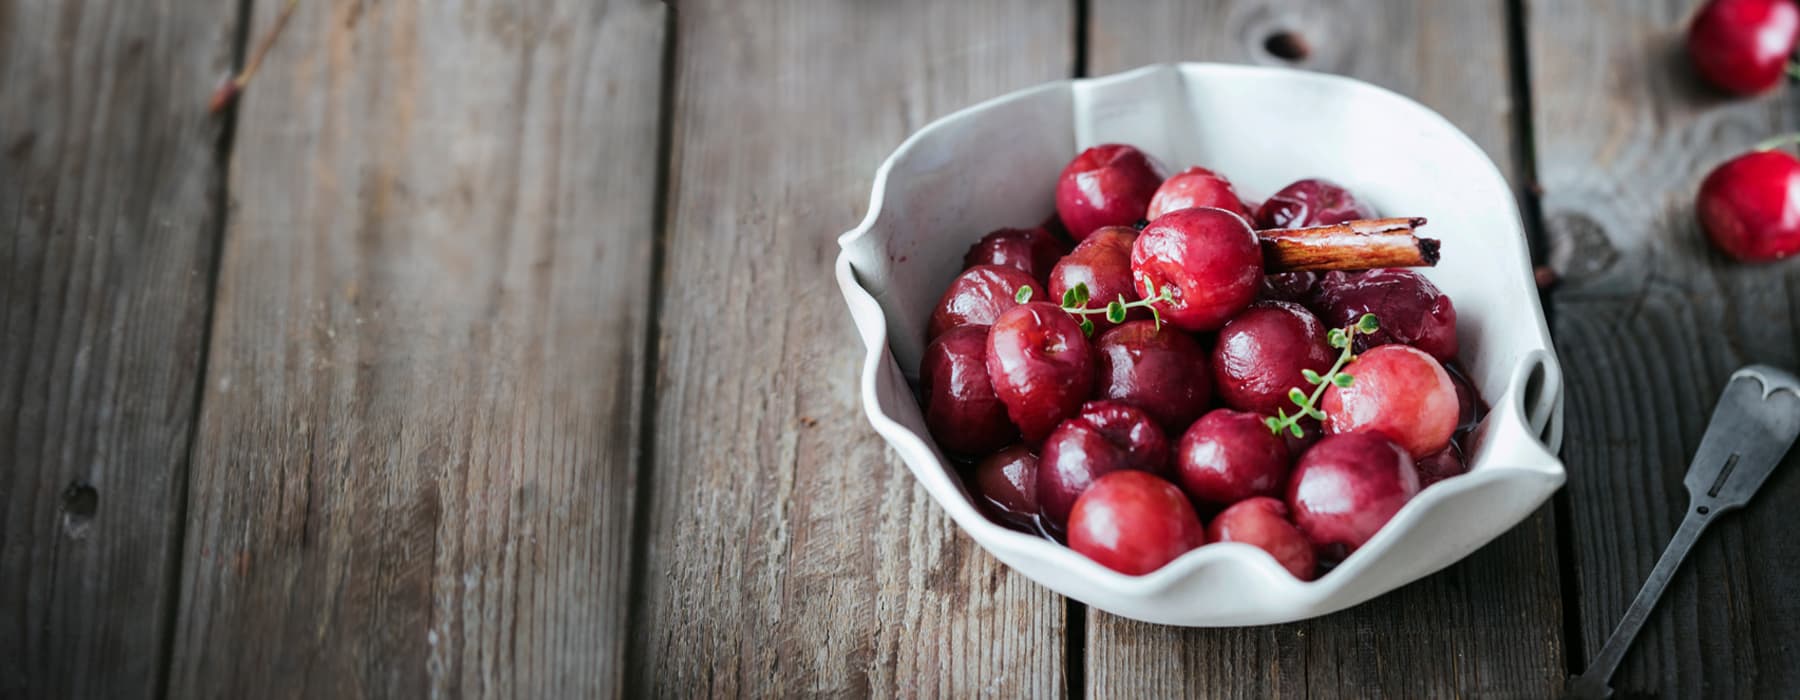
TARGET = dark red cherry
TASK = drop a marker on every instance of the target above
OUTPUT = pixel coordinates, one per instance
(1262, 522)
(1041, 367)
(1007, 483)
(1102, 262)
(1296, 287)
(1196, 187)
(1210, 260)
(1163, 371)
(1107, 185)
(1441, 465)
(1411, 309)
(1032, 251)
(1106, 437)
(1750, 206)
(978, 296)
(1347, 486)
(961, 408)
(1742, 46)
(1399, 392)
(1228, 456)
(1311, 202)
(1134, 522)
(1263, 353)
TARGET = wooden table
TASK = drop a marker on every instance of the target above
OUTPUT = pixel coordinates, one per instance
(491, 348)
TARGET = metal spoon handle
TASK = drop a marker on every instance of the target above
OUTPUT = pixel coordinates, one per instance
(1594, 682)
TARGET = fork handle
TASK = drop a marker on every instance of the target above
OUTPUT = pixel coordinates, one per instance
(1600, 672)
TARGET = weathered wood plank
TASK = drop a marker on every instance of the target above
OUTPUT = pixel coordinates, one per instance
(789, 551)
(415, 467)
(109, 211)
(1650, 322)
(1488, 625)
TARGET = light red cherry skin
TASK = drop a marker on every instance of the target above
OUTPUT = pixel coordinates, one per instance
(1163, 371)
(1134, 522)
(1750, 206)
(1742, 46)
(1210, 258)
(977, 297)
(1262, 522)
(1007, 483)
(1041, 367)
(1196, 187)
(1030, 250)
(1263, 353)
(1107, 185)
(1348, 486)
(1400, 392)
(961, 409)
(1102, 262)
(1228, 456)
(1105, 437)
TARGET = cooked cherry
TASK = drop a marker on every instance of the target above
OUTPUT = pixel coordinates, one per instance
(1030, 250)
(961, 408)
(1228, 456)
(1750, 206)
(1163, 371)
(1347, 486)
(1041, 367)
(1106, 437)
(1102, 261)
(1208, 257)
(1399, 392)
(1134, 522)
(1262, 354)
(1742, 46)
(1411, 309)
(1107, 185)
(1311, 202)
(1007, 483)
(1196, 187)
(1262, 522)
(1441, 465)
(978, 296)
(1296, 287)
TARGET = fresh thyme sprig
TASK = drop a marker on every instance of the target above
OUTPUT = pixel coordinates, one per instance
(1339, 338)
(1075, 299)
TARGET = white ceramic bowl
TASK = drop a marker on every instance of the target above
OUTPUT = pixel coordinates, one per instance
(995, 165)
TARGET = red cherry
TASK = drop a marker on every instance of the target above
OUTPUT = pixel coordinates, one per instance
(1209, 257)
(1007, 482)
(1400, 392)
(961, 408)
(1228, 456)
(1107, 185)
(1263, 522)
(1040, 366)
(1133, 522)
(1348, 486)
(1102, 262)
(977, 297)
(1196, 187)
(1742, 46)
(1031, 250)
(1750, 206)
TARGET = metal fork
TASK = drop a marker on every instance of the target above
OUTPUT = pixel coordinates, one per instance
(1752, 427)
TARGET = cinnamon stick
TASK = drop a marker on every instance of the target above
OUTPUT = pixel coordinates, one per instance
(1355, 245)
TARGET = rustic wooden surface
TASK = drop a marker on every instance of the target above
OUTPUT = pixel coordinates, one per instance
(492, 349)
(1491, 624)
(1649, 322)
(108, 223)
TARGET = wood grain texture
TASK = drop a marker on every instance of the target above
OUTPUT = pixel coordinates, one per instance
(1490, 625)
(1650, 321)
(789, 551)
(415, 468)
(109, 210)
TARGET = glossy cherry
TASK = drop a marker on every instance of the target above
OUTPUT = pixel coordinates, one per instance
(1134, 522)
(1107, 185)
(1742, 46)
(961, 408)
(1102, 261)
(1196, 187)
(1750, 206)
(1209, 257)
(1311, 202)
(1399, 392)
(1228, 456)
(1041, 367)
(1263, 353)
(1262, 522)
(1296, 287)
(1105, 437)
(1007, 483)
(1411, 309)
(1163, 371)
(978, 296)
(1030, 250)
(1346, 487)
(1441, 465)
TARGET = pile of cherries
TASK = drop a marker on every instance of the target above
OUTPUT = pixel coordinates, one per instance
(1177, 384)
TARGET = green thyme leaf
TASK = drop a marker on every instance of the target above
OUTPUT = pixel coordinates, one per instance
(1115, 312)
(1298, 397)
(1368, 323)
(1081, 293)
(1087, 327)
(1337, 338)
(1024, 294)
(1311, 376)
(1343, 380)
(1069, 301)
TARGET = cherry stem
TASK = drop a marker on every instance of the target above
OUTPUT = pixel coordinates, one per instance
(1778, 142)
